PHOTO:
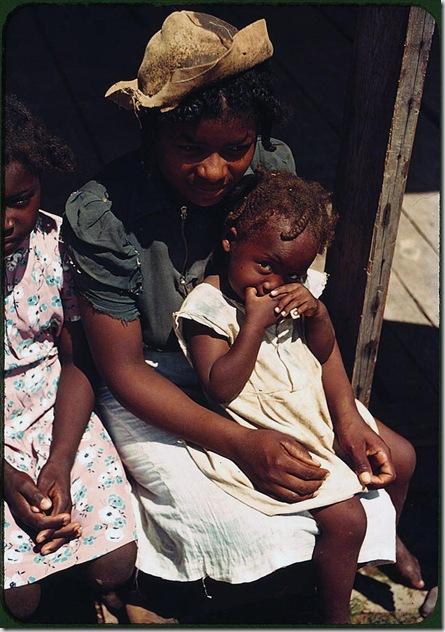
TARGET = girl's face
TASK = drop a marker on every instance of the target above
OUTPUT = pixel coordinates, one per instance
(266, 261)
(203, 161)
(21, 205)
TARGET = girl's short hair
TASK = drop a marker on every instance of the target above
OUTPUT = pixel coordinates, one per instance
(248, 94)
(280, 195)
(28, 141)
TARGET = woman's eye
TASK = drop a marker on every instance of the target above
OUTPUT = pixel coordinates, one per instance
(21, 202)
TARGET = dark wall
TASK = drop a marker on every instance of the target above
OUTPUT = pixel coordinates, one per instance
(61, 59)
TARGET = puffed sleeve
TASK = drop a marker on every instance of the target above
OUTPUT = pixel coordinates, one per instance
(281, 159)
(105, 264)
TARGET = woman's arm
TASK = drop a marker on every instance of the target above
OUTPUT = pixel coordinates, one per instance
(275, 462)
(361, 446)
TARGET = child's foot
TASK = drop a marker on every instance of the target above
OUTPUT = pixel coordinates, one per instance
(407, 567)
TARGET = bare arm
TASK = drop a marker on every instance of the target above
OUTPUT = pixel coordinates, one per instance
(320, 335)
(366, 451)
(222, 369)
(72, 410)
(275, 462)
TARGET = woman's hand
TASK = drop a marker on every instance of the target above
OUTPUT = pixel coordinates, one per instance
(365, 451)
(55, 482)
(295, 296)
(260, 310)
(30, 507)
(279, 466)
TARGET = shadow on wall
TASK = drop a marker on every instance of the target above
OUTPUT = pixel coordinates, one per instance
(79, 51)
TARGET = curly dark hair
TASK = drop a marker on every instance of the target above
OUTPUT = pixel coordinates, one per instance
(29, 142)
(280, 195)
(248, 94)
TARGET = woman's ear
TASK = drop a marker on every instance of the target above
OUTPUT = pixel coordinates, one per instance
(228, 239)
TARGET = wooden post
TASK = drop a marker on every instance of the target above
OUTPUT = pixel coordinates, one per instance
(390, 58)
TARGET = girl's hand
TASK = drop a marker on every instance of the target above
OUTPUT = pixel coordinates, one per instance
(260, 310)
(55, 482)
(295, 296)
(29, 505)
(365, 451)
(279, 466)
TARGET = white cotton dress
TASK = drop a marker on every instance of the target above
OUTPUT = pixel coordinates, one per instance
(284, 393)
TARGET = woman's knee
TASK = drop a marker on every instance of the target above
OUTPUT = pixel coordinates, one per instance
(404, 457)
(402, 452)
(113, 570)
(23, 601)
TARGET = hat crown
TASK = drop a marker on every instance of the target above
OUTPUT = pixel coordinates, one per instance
(187, 39)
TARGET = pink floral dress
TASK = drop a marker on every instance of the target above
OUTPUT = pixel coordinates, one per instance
(39, 296)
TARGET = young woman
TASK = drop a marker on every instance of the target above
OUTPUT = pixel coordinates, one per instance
(140, 237)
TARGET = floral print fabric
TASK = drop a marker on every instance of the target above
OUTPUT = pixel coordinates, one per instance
(39, 296)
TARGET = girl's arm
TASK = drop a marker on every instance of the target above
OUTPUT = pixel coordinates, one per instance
(320, 335)
(73, 406)
(275, 462)
(222, 369)
(368, 454)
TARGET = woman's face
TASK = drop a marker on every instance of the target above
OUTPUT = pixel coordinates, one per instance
(20, 205)
(203, 161)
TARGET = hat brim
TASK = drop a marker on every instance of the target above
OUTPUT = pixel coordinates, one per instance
(250, 47)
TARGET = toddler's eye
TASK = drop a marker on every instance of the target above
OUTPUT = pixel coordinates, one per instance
(265, 266)
(299, 277)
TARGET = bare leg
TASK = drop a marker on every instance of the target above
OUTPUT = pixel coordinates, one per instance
(404, 459)
(110, 576)
(110, 573)
(23, 601)
(343, 528)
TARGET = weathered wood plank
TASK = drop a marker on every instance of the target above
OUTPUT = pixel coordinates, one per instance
(390, 61)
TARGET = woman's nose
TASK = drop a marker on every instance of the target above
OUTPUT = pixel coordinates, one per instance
(213, 168)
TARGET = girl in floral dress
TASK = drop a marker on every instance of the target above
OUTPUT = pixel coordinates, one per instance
(67, 497)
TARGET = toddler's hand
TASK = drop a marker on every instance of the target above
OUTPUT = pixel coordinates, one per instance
(295, 296)
(259, 309)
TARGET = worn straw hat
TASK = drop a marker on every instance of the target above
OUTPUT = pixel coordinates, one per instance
(191, 50)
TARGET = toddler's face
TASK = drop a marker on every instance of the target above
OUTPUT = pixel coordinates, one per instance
(20, 205)
(203, 161)
(266, 261)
